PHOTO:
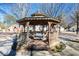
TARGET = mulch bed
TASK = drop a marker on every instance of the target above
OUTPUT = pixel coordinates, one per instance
(37, 45)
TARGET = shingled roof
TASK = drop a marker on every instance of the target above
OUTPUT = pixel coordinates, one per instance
(38, 17)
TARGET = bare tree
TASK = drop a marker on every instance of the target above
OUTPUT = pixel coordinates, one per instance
(55, 10)
(75, 17)
(20, 10)
(9, 20)
(78, 23)
(52, 9)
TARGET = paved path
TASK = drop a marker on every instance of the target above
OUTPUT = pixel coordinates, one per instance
(72, 48)
(70, 36)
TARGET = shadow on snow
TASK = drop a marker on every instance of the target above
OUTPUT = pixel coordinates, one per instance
(13, 49)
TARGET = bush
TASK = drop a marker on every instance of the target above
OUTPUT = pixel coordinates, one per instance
(59, 48)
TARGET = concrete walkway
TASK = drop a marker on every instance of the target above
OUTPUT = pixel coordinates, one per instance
(72, 48)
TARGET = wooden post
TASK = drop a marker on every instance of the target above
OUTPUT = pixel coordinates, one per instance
(19, 25)
(49, 28)
(19, 28)
(27, 37)
(33, 29)
(43, 28)
(24, 28)
(52, 36)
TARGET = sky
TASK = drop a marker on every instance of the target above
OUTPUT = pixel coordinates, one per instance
(5, 8)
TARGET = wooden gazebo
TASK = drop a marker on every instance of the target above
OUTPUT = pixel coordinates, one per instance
(42, 20)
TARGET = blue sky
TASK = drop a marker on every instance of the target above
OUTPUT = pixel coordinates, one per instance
(5, 8)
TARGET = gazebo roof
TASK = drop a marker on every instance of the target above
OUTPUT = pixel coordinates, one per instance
(38, 18)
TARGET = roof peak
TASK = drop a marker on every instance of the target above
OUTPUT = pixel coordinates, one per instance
(38, 14)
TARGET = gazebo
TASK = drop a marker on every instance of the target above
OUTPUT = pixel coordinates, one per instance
(42, 21)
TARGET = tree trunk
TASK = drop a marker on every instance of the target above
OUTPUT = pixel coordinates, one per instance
(77, 31)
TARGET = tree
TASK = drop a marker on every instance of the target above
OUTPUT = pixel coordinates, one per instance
(62, 21)
(20, 10)
(75, 17)
(77, 22)
(9, 20)
(52, 9)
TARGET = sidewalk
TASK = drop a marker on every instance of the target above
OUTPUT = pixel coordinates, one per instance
(69, 36)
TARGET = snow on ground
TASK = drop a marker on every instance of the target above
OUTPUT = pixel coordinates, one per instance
(6, 42)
